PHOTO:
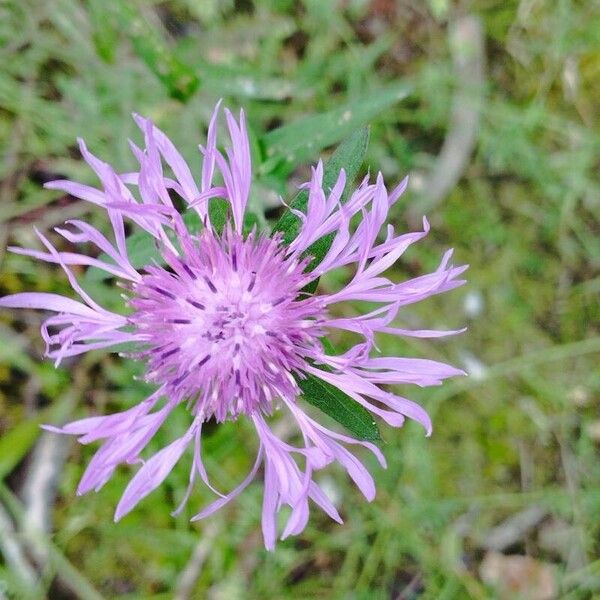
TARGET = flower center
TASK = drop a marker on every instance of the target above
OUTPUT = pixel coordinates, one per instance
(224, 327)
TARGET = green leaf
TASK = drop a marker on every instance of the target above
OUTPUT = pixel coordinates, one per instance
(180, 80)
(218, 210)
(238, 82)
(349, 155)
(328, 346)
(338, 405)
(219, 213)
(15, 444)
(251, 221)
(104, 33)
(297, 142)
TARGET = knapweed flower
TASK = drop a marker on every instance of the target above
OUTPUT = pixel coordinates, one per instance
(224, 324)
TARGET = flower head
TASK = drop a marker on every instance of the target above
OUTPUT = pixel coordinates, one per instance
(224, 327)
(224, 321)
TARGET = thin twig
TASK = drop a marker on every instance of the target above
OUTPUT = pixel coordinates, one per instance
(514, 528)
(411, 588)
(468, 57)
(39, 490)
(12, 551)
(38, 544)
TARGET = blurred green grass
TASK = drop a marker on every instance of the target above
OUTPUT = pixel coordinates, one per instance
(525, 215)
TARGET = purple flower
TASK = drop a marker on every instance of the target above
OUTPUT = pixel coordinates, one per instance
(224, 326)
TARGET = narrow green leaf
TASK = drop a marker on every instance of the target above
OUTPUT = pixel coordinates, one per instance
(218, 210)
(349, 155)
(180, 80)
(251, 221)
(15, 444)
(104, 33)
(239, 82)
(297, 142)
(219, 213)
(328, 346)
(340, 407)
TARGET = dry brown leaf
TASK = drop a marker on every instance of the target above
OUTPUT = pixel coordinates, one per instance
(518, 576)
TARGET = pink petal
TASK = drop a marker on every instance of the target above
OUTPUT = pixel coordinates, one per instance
(151, 475)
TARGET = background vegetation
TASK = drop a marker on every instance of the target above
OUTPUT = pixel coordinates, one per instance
(491, 106)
